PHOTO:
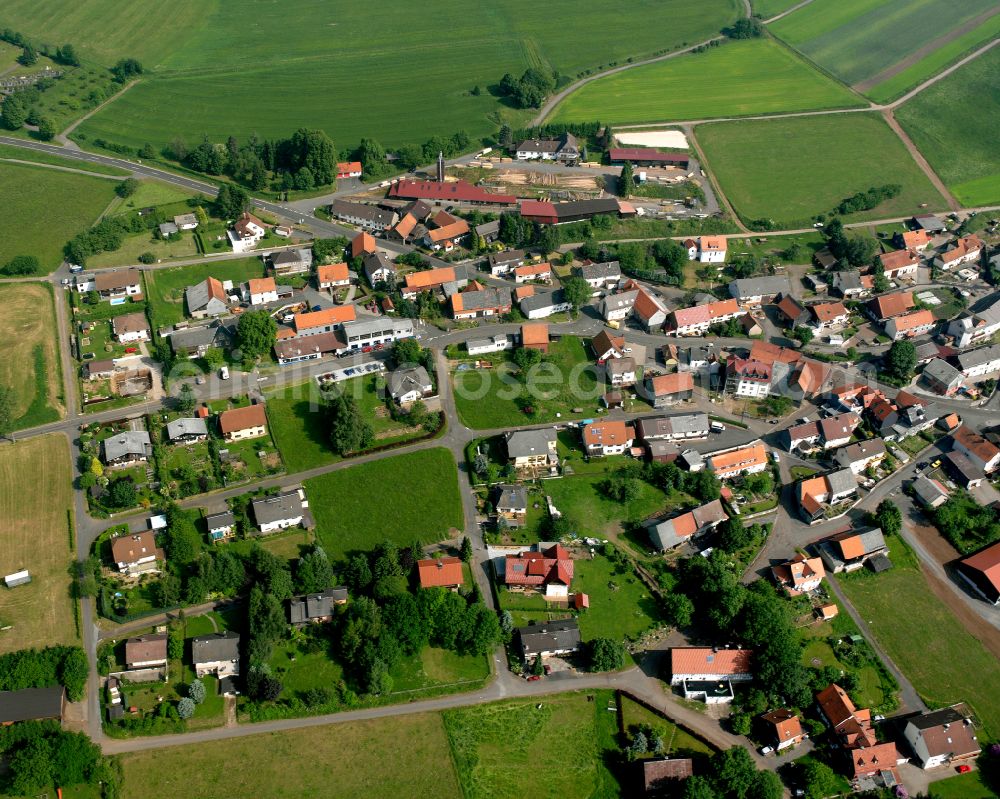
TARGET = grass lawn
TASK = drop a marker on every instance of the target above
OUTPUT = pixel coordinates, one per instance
(963, 786)
(944, 663)
(346, 760)
(165, 287)
(753, 76)
(789, 170)
(36, 501)
(196, 74)
(858, 39)
(550, 746)
(140, 243)
(353, 509)
(298, 420)
(45, 208)
(29, 354)
(150, 193)
(954, 124)
(679, 742)
(9, 151)
(492, 398)
(620, 603)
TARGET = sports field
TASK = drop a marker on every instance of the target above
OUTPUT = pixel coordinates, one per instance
(44, 208)
(29, 358)
(36, 497)
(859, 39)
(386, 70)
(789, 170)
(955, 124)
(757, 76)
(344, 761)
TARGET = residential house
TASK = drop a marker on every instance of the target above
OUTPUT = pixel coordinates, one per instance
(246, 233)
(548, 638)
(280, 511)
(750, 326)
(261, 290)
(850, 550)
(966, 251)
(186, 221)
(433, 279)
(605, 345)
(675, 427)
(929, 491)
(851, 725)
(693, 358)
(910, 325)
(791, 310)
(980, 451)
(368, 217)
(800, 575)
(610, 437)
(697, 320)
(529, 272)
(126, 448)
(618, 307)
(916, 240)
(541, 306)
(441, 573)
(292, 262)
(118, 284)
(332, 276)
(511, 505)
(850, 284)
(887, 306)
(532, 449)
(976, 327)
(363, 244)
(186, 430)
(620, 371)
(480, 303)
(485, 346)
(784, 728)
(875, 766)
(313, 323)
(216, 654)
(801, 435)
(941, 377)
(979, 362)
(378, 268)
(146, 652)
(753, 291)
(900, 264)
(836, 431)
(665, 390)
(208, 298)
(825, 315)
(708, 673)
(99, 370)
(307, 348)
(982, 572)
(825, 259)
(407, 385)
(32, 704)
(549, 571)
(317, 608)
(371, 332)
(666, 534)
(942, 737)
(740, 461)
(239, 424)
(489, 231)
(649, 311)
(221, 526)
(746, 378)
(535, 336)
(816, 494)
(664, 776)
(135, 553)
(858, 457)
(348, 169)
(447, 236)
(565, 149)
(406, 228)
(601, 276)
(130, 327)
(501, 263)
(712, 249)
(195, 342)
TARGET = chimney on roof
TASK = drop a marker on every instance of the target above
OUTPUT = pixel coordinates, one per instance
(440, 174)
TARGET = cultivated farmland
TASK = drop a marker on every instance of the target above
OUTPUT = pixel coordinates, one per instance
(35, 533)
(756, 76)
(789, 170)
(346, 760)
(405, 498)
(766, 9)
(858, 40)
(44, 208)
(401, 80)
(29, 357)
(955, 123)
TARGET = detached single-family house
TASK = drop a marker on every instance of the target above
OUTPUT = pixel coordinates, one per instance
(982, 572)
(666, 390)
(485, 346)
(216, 654)
(130, 327)
(941, 377)
(966, 251)
(747, 378)
(239, 424)
(853, 726)
(208, 298)
(618, 307)
(194, 342)
(980, 451)
(975, 327)
(916, 240)
(315, 608)
(261, 290)
(666, 534)
(186, 221)
(378, 268)
(675, 427)
(124, 449)
(135, 553)
(900, 264)
(565, 149)
(246, 233)
(815, 494)
(292, 262)
(549, 571)
(221, 526)
(332, 276)
(348, 169)
(146, 652)
(410, 384)
(784, 727)
(942, 737)
(620, 371)
(441, 573)
(532, 449)
(850, 550)
(548, 638)
(910, 325)
(610, 437)
(982, 361)
(528, 272)
(501, 263)
(850, 284)
(753, 291)
(280, 511)
(535, 336)
(511, 504)
(858, 457)
(712, 249)
(545, 304)
(799, 575)
(118, 284)
(186, 430)
(792, 311)
(363, 244)
(929, 491)
(602, 275)
(605, 345)
(708, 673)
(826, 315)
(479, 303)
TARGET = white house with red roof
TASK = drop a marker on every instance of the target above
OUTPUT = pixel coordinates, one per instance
(549, 571)
(246, 233)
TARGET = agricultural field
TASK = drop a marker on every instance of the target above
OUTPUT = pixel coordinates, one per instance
(197, 70)
(11, 152)
(552, 746)
(165, 287)
(756, 76)
(909, 621)
(29, 354)
(404, 498)
(863, 40)
(954, 123)
(36, 531)
(44, 208)
(346, 760)
(789, 170)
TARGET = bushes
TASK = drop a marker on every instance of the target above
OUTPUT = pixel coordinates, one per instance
(41, 668)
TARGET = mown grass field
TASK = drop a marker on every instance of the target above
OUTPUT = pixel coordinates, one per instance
(36, 499)
(44, 208)
(955, 123)
(758, 76)
(314, 59)
(29, 355)
(789, 170)
(679, 742)
(944, 662)
(9, 151)
(345, 761)
(769, 8)
(405, 498)
(165, 287)
(859, 39)
(550, 746)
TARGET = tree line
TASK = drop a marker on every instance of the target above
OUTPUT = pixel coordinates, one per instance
(40, 755)
(44, 668)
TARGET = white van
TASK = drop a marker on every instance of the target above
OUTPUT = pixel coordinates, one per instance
(224, 372)
(717, 427)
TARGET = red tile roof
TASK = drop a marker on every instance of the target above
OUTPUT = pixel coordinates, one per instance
(455, 191)
(242, 418)
(672, 384)
(334, 315)
(361, 244)
(430, 278)
(331, 273)
(705, 660)
(553, 565)
(891, 304)
(440, 572)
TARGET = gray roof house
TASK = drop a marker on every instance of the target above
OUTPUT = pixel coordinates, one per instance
(220, 525)
(673, 426)
(512, 499)
(668, 533)
(168, 229)
(378, 267)
(532, 445)
(847, 283)
(291, 262)
(538, 306)
(128, 447)
(850, 550)
(602, 273)
(549, 638)
(929, 222)
(409, 384)
(942, 377)
(207, 298)
(930, 492)
(196, 341)
(216, 653)
(187, 430)
(754, 289)
(280, 511)
(315, 607)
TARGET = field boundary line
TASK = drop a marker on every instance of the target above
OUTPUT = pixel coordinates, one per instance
(63, 138)
(942, 75)
(720, 196)
(786, 12)
(74, 170)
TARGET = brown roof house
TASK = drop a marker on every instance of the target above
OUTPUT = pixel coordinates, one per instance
(850, 550)
(942, 737)
(667, 390)
(136, 554)
(977, 449)
(982, 572)
(238, 424)
(785, 728)
(663, 777)
(146, 652)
